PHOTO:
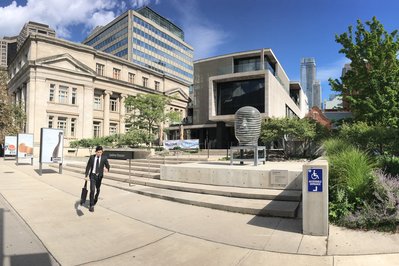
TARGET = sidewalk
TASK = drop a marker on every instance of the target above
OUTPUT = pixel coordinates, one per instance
(131, 229)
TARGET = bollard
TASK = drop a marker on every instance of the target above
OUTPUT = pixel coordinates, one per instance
(315, 198)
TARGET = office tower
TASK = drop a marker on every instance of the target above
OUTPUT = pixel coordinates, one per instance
(33, 28)
(316, 91)
(308, 77)
(3, 53)
(146, 38)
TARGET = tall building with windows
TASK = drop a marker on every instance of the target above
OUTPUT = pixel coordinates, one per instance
(81, 90)
(8, 50)
(309, 83)
(3, 52)
(146, 38)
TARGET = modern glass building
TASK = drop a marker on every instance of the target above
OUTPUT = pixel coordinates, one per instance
(223, 84)
(146, 38)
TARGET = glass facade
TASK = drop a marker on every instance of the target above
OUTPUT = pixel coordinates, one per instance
(233, 95)
(253, 64)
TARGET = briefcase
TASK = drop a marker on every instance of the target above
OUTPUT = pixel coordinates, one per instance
(83, 196)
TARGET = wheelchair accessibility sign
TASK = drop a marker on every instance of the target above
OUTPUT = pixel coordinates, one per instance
(315, 180)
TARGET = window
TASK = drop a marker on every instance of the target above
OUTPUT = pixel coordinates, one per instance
(116, 73)
(113, 105)
(96, 129)
(131, 77)
(63, 94)
(100, 69)
(74, 95)
(97, 102)
(73, 127)
(62, 123)
(50, 121)
(145, 82)
(51, 94)
(157, 85)
(113, 128)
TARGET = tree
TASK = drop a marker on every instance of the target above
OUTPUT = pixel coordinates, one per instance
(12, 117)
(371, 86)
(148, 112)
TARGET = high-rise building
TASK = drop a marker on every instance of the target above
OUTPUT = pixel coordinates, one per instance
(316, 91)
(8, 50)
(146, 38)
(309, 83)
(3, 53)
(35, 28)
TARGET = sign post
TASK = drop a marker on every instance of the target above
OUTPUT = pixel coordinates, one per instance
(315, 198)
(121, 155)
(25, 147)
(10, 147)
(51, 147)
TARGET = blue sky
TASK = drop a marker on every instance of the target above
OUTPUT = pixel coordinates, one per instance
(291, 28)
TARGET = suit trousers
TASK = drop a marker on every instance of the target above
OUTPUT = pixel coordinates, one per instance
(95, 184)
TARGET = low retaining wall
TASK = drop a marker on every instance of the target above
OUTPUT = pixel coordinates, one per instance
(271, 175)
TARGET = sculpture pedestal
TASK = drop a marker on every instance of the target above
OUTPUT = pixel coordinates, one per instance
(257, 157)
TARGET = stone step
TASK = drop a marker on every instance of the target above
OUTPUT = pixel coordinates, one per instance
(81, 170)
(123, 167)
(275, 208)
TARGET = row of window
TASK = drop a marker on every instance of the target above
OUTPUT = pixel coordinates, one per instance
(162, 53)
(68, 125)
(160, 62)
(161, 43)
(162, 34)
(62, 94)
(108, 31)
(112, 38)
(116, 46)
(116, 74)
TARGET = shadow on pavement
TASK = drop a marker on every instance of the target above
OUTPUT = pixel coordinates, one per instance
(78, 211)
(46, 171)
(42, 259)
(280, 224)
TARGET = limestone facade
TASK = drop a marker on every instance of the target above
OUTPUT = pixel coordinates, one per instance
(66, 85)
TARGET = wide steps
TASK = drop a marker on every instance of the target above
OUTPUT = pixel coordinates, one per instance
(125, 167)
(81, 170)
(286, 209)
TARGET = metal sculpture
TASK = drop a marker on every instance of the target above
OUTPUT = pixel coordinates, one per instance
(247, 126)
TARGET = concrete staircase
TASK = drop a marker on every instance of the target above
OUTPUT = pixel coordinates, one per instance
(145, 180)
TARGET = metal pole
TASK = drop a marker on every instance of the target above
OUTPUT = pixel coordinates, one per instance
(17, 160)
(60, 168)
(31, 161)
(130, 166)
(40, 169)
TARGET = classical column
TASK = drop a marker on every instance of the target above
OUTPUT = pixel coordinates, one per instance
(122, 114)
(107, 95)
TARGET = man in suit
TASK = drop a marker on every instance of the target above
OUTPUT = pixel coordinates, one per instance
(95, 170)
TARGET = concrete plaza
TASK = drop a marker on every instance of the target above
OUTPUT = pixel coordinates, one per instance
(41, 223)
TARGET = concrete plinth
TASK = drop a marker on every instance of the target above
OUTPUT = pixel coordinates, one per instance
(283, 175)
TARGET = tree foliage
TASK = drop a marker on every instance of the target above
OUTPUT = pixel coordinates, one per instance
(148, 112)
(12, 117)
(371, 87)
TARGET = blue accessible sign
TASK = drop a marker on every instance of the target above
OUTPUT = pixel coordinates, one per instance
(315, 180)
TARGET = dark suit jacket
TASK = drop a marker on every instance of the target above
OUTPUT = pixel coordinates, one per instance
(90, 164)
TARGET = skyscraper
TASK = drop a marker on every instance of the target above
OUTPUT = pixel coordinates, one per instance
(309, 83)
(146, 38)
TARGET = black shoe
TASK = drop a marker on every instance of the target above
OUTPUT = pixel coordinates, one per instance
(91, 208)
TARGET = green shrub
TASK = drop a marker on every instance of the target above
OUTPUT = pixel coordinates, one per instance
(335, 146)
(389, 164)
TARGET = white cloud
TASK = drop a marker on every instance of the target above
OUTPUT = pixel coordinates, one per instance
(139, 3)
(59, 14)
(202, 34)
(333, 70)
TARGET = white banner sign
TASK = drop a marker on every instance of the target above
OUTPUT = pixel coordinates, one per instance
(183, 144)
(51, 145)
(10, 146)
(25, 146)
